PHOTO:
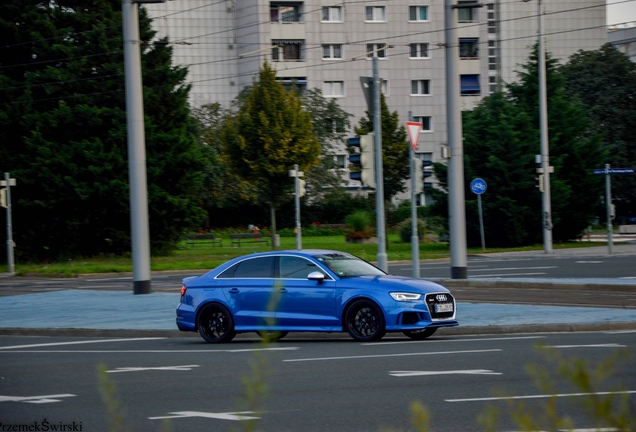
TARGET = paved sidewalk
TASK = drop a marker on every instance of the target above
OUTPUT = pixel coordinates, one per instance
(76, 312)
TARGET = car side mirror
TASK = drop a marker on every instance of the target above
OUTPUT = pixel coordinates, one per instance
(316, 276)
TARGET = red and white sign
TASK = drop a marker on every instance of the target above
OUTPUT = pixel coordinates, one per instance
(414, 129)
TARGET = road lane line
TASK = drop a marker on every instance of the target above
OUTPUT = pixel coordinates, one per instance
(515, 268)
(392, 355)
(451, 340)
(507, 274)
(453, 372)
(609, 345)
(148, 351)
(79, 343)
(489, 399)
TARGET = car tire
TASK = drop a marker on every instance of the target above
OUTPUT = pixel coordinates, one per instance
(420, 334)
(272, 335)
(364, 321)
(216, 324)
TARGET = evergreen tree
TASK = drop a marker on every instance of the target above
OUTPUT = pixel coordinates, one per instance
(270, 133)
(605, 81)
(63, 131)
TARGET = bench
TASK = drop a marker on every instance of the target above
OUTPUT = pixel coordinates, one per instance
(194, 239)
(237, 238)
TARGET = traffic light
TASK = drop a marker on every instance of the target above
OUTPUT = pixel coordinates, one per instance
(539, 184)
(365, 160)
(301, 188)
(3, 197)
(421, 174)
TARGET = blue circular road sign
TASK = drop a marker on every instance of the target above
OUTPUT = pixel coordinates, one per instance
(478, 186)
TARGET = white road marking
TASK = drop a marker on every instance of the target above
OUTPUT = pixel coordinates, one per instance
(455, 372)
(628, 277)
(507, 274)
(391, 355)
(451, 340)
(610, 345)
(152, 351)
(488, 399)
(589, 262)
(220, 416)
(161, 368)
(514, 268)
(621, 331)
(110, 279)
(36, 399)
(78, 343)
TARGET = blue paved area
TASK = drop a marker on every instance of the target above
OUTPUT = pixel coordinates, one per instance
(110, 310)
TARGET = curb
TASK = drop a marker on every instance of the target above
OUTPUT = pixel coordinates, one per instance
(444, 331)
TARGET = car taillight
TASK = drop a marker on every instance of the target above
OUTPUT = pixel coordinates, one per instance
(183, 290)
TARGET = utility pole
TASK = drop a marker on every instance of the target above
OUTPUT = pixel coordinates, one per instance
(456, 199)
(8, 182)
(136, 150)
(379, 187)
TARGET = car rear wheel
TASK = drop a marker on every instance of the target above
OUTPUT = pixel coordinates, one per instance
(272, 336)
(420, 334)
(216, 324)
(364, 321)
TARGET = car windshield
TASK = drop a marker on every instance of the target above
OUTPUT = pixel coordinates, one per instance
(346, 266)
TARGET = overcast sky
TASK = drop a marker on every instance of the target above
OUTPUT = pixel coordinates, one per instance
(620, 11)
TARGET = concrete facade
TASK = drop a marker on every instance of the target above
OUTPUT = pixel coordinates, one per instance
(225, 42)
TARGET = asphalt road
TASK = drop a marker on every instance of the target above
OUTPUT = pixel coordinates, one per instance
(334, 385)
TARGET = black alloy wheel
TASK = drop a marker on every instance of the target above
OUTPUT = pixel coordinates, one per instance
(364, 321)
(272, 335)
(420, 334)
(216, 324)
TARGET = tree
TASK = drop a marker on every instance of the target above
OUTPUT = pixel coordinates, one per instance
(574, 148)
(501, 139)
(63, 131)
(605, 81)
(269, 134)
(395, 149)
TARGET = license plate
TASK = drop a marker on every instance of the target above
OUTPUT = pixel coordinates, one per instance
(444, 307)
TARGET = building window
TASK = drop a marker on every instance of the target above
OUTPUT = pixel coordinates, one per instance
(375, 13)
(418, 13)
(375, 50)
(295, 84)
(336, 125)
(492, 26)
(285, 12)
(465, 15)
(469, 85)
(332, 14)
(287, 51)
(420, 87)
(419, 50)
(384, 88)
(469, 48)
(333, 88)
(340, 161)
(425, 121)
(332, 51)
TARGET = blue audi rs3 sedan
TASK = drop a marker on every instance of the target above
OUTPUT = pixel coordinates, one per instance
(275, 293)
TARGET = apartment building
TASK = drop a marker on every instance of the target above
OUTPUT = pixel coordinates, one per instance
(326, 44)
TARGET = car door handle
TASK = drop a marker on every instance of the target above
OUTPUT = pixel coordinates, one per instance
(282, 290)
(234, 291)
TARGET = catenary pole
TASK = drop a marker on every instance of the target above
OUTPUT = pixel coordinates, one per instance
(456, 199)
(379, 187)
(136, 150)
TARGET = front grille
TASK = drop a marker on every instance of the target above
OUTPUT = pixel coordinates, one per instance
(440, 299)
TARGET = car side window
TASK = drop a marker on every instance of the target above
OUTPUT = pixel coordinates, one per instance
(250, 268)
(296, 268)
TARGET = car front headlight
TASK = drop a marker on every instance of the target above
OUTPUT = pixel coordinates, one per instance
(405, 296)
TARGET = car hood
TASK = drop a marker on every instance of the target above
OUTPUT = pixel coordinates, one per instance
(393, 283)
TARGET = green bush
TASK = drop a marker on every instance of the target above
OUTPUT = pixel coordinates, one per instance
(406, 231)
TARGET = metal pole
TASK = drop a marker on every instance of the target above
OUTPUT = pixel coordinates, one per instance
(608, 205)
(545, 158)
(415, 240)
(10, 261)
(456, 199)
(299, 245)
(481, 223)
(379, 176)
(136, 151)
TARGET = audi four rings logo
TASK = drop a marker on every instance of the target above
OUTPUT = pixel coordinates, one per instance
(441, 297)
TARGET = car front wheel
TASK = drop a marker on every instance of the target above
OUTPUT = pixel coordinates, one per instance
(216, 324)
(420, 334)
(364, 321)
